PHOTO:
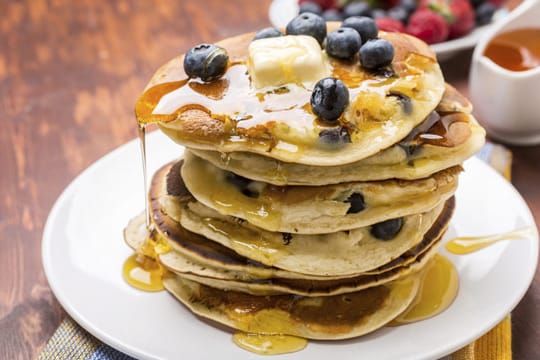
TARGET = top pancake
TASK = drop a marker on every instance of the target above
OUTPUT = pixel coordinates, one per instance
(230, 115)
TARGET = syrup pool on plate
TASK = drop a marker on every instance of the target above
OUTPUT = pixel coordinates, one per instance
(438, 290)
(264, 344)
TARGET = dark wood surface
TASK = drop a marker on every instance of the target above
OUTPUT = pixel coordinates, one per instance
(70, 72)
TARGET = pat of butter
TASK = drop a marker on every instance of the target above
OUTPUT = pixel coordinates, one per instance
(287, 59)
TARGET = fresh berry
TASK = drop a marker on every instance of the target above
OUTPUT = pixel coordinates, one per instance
(343, 43)
(366, 27)
(329, 99)
(388, 4)
(311, 7)
(428, 25)
(390, 25)
(399, 13)
(324, 4)
(267, 33)
(360, 8)
(497, 3)
(357, 203)
(376, 53)
(477, 3)
(206, 61)
(332, 15)
(462, 18)
(378, 13)
(387, 230)
(484, 13)
(409, 5)
(308, 24)
(335, 137)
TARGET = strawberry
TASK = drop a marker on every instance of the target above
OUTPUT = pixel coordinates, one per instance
(325, 4)
(463, 15)
(389, 24)
(428, 25)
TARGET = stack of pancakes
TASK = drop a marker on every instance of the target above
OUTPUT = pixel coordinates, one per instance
(280, 223)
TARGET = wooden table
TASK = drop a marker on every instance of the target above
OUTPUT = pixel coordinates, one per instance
(70, 72)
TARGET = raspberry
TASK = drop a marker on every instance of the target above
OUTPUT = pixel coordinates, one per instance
(428, 25)
(459, 15)
(389, 24)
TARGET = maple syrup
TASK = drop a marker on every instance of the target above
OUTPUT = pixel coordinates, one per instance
(468, 244)
(438, 289)
(143, 273)
(269, 344)
(143, 270)
(516, 50)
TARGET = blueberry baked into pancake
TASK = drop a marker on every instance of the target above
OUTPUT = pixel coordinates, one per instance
(317, 182)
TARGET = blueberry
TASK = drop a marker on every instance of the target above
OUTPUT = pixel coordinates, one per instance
(308, 24)
(409, 5)
(357, 203)
(343, 43)
(332, 15)
(477, 3)
(360, 8)
(376, 53)
(398, 13)
(405, 102)
(378, 13)
(484, 13)
(329, 99)
(310, 7)
(387, 230)
(239, 181)
(242, 184)
(335, 137)
(206, 61)
(267, 33)
(366, 27)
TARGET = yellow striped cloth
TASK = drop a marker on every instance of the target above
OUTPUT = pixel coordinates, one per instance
(70, 341)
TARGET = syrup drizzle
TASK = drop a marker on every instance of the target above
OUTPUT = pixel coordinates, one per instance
(468, 244)
(143, 270)
(438, 289)
(269, 344)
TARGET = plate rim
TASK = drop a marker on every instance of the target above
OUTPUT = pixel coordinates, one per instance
(84, 322)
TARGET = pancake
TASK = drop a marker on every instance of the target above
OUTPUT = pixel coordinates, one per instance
(230, 115)
(297, 253)
(408, 159)
(312, 288)
(224, 278)
(324, 318)
(308, 209)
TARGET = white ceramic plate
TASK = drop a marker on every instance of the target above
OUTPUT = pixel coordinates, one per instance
(282, 11)
(83, 252)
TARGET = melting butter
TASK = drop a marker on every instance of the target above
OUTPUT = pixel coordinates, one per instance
(468, 244)
(271, 344)
(438, 289)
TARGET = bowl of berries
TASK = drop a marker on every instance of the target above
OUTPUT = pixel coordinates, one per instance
(447, 25)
